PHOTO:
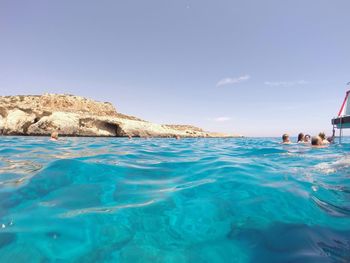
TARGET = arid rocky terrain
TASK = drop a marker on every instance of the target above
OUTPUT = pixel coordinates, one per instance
(71, 115)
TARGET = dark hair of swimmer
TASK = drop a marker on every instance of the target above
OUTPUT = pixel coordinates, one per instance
(285, 137)
(300, 137)
(316, 141)
(322, 135)
(330, 139)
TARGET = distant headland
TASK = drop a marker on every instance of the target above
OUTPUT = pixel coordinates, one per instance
(71, 115)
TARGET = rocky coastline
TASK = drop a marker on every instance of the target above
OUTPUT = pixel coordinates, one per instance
(69, 115)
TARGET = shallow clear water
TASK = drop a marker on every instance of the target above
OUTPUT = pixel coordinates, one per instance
(166, 200)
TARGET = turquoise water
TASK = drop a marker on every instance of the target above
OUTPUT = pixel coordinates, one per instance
(166, 200)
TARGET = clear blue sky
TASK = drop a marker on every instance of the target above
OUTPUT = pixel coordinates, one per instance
(250, 67)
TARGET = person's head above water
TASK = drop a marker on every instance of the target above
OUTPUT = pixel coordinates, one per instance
(301, 137)
(54, 136)
(322, 135)
(285, 138)
(307, 138)
(316, 141)
(330, 139)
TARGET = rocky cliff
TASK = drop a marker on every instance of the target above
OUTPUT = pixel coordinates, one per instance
(77, 116)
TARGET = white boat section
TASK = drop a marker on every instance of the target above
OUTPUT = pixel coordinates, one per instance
(342, 121)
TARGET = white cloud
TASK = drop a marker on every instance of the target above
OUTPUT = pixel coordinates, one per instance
(222, 119)
(229, 81)
(285, 83)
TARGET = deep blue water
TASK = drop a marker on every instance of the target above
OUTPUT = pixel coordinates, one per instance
(166, 200)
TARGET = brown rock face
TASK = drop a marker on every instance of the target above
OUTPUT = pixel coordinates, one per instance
(56, 102)
(77, 116)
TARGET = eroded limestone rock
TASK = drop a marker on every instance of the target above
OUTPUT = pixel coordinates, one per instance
(17, 122)
(65, 123)
(77, 116)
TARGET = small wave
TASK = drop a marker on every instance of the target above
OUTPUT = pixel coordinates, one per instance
(264, 151)
(325, 168)
(331, 209)
(105, 209)
(188, 185)
(18, 166)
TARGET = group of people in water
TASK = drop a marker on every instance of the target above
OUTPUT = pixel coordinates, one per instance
(319, 140)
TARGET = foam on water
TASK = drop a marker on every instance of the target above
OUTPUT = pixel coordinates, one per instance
(166, 200)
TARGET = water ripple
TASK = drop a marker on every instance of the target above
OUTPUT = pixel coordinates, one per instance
(166, 200)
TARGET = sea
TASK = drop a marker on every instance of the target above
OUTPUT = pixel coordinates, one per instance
(166, 200)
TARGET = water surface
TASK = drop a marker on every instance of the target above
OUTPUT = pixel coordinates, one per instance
(166, 200)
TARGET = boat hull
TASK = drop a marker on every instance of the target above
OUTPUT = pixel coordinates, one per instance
(341, 122)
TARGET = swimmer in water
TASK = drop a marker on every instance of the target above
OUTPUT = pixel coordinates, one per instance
(301, 138)
(285, 139)
(322, 135)
(307, 138)
(330, 139)
(316, 141)
(54, 136)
